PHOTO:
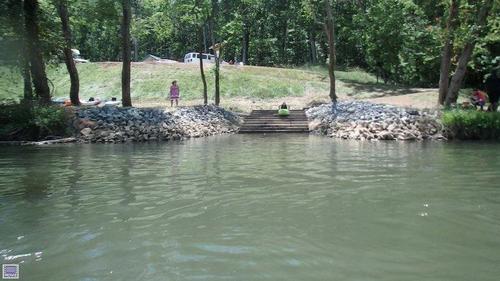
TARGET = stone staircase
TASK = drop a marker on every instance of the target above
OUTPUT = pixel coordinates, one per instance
(268, 121)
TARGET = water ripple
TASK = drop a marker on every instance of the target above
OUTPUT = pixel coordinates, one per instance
(252, 207)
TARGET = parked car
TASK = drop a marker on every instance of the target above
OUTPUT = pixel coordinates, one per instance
(77, 58)
(195, 58)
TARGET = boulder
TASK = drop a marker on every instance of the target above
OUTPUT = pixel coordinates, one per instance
(385, 135)
(86, 132)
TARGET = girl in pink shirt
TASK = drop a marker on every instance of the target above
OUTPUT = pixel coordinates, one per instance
(174, 94)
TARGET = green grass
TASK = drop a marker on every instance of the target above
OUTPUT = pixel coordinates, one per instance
(152, 81)
(355, 74)
(472, 124)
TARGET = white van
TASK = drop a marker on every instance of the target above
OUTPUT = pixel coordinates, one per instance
(195, 58)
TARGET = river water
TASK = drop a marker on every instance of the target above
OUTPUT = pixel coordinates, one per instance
(252, 207)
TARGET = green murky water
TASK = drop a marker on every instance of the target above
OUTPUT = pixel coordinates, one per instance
(252, 208)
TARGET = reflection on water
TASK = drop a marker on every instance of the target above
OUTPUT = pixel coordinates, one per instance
(252, 208)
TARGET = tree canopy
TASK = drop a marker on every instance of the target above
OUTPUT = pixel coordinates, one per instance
(398, 40)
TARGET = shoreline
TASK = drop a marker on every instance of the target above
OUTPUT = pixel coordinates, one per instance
(350, 119)
(117, 124)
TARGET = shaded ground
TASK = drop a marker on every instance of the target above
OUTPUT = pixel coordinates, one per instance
(420, 98)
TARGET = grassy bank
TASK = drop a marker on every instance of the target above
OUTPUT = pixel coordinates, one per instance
(472, 124)
(150, 82)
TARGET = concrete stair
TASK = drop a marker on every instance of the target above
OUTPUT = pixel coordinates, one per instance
(268, 121)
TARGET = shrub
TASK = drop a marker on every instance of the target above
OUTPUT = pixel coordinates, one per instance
(472, 124)
(48, 119)
(31, 122)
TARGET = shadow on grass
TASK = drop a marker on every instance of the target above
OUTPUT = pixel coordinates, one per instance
(376, 90)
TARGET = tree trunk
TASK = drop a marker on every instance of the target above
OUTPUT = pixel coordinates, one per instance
(215, 14)
(205, 38)
(16, 20)
(213, 17)
(28, 87)
(68, 56)
(210, 34)
(245, 43)
(330, 33)
(284, 56)
(203, 79)
(217, 70)
(312, 48)
(458, 76)
(37, 65)
(444, 73)
(127, 16)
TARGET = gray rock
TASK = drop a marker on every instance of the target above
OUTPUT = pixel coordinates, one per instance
(384, 122)
(86, 132)
(114, 124)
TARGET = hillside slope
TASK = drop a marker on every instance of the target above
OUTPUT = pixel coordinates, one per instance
(247, 86)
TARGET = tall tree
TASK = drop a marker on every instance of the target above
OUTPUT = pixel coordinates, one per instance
(13, 31)
(218, 50)
(127, 18)
(202, 15)
(28, 86)
(458, 76)
(313, 56)
(245, 42)
(330, 33)
(203, 78)
(62, 10)
(213, 11)
(37, 64)
(217, 47)
(444, 72)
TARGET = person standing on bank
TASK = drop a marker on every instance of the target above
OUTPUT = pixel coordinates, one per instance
(174, 94)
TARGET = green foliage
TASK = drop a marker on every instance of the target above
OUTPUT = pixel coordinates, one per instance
(153, 28)
(10, 31)
(472, 124)
(398, 40)
(48, 119)
(31, 122)
(399, 43)
(486, 54)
